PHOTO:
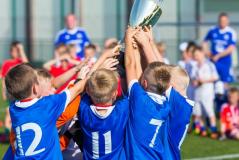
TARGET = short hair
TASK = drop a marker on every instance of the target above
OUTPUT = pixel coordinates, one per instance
(14, 44)
(222, 14)
(197, 48)
(180, 78)
(19, 81)
(90, 46)
(41, 72)
(101, 86)
(156, 64)
(232, 90)
(190, 45)
(70, 46)
(157, 77)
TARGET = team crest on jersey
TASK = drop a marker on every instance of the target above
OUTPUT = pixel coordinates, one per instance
(214, 35)
(67, 37)
(226, 37)
(79, 35)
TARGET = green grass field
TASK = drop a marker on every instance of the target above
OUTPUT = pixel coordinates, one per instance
(193, 146)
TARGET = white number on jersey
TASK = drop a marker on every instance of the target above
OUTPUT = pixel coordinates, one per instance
(157, 123)
(37, 138)
(95, 143)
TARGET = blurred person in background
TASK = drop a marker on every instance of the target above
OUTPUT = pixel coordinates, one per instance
(90, 53)
(73, 35)
(18, 56)
(73, 52)
(62, 62)
(229, 116)
(206, 75)
(222, 39)
(161, 46)
(189, 64)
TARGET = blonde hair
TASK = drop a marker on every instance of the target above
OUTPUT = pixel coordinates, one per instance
(102, 85)
(157, 77)
(180, 79)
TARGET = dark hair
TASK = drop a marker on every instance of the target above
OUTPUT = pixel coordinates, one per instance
(197, 48)
(232, 90)
(19, 81)
(190, 45)
(14, 44)
(222, 14)
(90, 46)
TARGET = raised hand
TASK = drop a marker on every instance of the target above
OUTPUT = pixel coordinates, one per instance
(110, 64)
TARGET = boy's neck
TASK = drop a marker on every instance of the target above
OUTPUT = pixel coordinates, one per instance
(103, 111)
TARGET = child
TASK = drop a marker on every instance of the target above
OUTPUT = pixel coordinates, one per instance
(230, 116)
(161, 46)
(102, 118)
(148, 109)
(181, 110)
(36, 136)
(206, 75)
(90, 53)
(18, 56)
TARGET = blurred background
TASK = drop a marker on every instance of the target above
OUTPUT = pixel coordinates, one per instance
(36, 23)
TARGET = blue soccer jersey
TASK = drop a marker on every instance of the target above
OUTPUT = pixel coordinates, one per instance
(178, 122)
(146, 131)
(76, 36)
(103, 134)
(34, 124)
(220, 40)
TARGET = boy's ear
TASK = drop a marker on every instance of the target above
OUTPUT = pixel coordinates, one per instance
(87, 90)
(145, 84)
(35, 89)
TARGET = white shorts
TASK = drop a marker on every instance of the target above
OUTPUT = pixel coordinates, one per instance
(204, 107)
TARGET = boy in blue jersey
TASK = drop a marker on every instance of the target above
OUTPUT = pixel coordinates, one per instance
(103, 118)
(148, 109)
(33, 118)
(180, 111)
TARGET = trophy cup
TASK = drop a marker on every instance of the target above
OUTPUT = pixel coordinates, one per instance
(145, 13)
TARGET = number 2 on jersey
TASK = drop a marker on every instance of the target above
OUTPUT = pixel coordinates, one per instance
(157, 123)
(37, 138)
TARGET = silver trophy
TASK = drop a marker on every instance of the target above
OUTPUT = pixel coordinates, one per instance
(145, 13)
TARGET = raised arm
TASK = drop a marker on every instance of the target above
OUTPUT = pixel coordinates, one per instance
(149, 33)
(130, 61)
(144, 43)
(22, 53)
(107, 54)
(63, 78)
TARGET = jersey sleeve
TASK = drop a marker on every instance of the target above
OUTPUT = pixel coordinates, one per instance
(57, 103)
(233, 38)
(179, 118)
(136, 93)
(208, 36)
(58, 39)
